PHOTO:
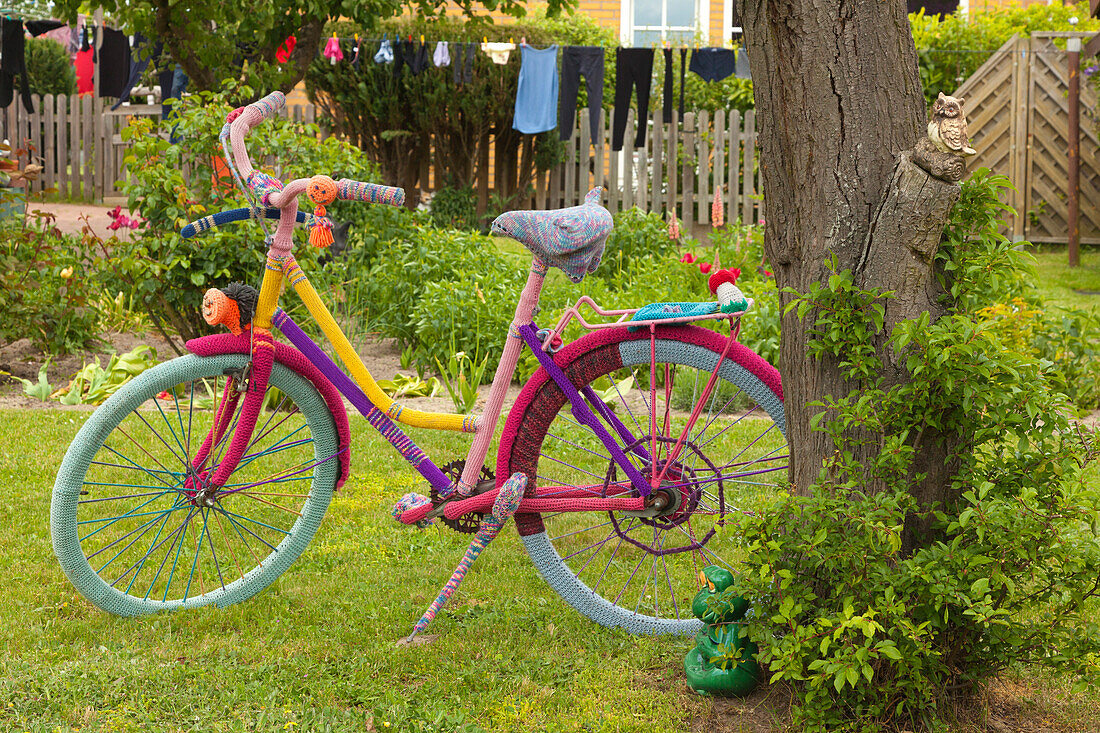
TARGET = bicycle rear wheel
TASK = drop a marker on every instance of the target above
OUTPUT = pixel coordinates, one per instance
(131, 524)
(641, 573)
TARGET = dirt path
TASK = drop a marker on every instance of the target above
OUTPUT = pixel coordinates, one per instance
(72, 218)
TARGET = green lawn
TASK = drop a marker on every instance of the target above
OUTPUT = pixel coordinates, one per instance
(315, 651)
(1058, 282)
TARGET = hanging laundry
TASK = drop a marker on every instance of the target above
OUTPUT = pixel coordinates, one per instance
(442, 55)
(537, 92)
(575, 61)
(13, 63)
(462, 63)
(422, 59)
(173, 83)
(713, 64)
(39, 27)
(84, 62)
(144, 52)
(113, 64)
(282, 54)
(385, 52)
(355, 53)
(62, 35)
(498, 52)
(683, 73)
(668, 95)
(741, 70)
(633, 71)
(332, 50)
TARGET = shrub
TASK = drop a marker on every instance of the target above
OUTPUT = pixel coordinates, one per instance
(46, 289)
(950, 48)
(168, 274)
(49, 68)
(875, 624)
(455, 208)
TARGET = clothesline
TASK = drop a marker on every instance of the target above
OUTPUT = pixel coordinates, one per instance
(425, 39)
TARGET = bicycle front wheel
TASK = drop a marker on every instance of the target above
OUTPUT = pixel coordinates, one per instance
(134, 529)
(638, 572)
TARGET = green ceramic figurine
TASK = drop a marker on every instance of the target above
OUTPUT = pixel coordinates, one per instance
(721, 663)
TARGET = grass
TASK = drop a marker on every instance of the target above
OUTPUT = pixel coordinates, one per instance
(315, 651)
(1058, 283)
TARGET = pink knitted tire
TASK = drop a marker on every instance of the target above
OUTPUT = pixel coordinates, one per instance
(640, 573)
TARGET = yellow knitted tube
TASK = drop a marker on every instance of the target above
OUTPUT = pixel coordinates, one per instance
(358, 371)
(269, 294)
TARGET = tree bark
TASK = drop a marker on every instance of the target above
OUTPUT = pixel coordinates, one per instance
(839, 99)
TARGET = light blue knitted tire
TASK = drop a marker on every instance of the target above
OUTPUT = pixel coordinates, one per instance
(128, 534)
(588, 558)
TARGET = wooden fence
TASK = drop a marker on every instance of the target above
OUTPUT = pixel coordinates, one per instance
(1018, 121)
(78, 140)
(677, 171)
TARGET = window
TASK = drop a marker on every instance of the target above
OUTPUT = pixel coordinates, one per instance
(731, 22)
(652, 22)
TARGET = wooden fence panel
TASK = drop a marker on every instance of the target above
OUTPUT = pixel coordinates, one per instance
(1048, 164)
(679, 169)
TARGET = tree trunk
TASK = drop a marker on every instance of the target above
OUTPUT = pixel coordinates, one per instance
(839, 99)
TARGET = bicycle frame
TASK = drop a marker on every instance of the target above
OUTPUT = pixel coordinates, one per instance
(364, 394)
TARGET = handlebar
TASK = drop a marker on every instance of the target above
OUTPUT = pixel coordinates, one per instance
(267, 107)
(221, 218)
(373, 193)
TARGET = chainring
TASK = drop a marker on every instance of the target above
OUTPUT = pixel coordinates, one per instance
(470, 522)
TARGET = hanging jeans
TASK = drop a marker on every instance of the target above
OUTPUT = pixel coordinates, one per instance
(633, 70)
(575, 61)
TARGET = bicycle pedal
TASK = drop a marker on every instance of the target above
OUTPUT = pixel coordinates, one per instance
(413, 509)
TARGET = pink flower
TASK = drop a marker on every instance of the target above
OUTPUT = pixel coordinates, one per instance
(704, 267)
(769, 273)
(689, 258)
(717, 210)
(673, 228)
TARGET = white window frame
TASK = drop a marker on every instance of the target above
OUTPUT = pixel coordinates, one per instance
(627, 27)
(728, 28)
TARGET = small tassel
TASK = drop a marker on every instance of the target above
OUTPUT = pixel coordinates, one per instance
(320, 234)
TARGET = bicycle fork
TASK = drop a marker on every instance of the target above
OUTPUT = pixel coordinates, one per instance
(202, 486)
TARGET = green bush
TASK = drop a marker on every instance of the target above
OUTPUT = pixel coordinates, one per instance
(169, 274)
(49, 68)
(952, 47)
(455, 208)
(46, 288)
(879, 610)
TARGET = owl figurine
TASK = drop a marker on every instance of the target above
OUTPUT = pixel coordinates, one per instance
(947, 130)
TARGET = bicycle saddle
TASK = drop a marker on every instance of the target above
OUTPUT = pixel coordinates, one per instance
(570, 239)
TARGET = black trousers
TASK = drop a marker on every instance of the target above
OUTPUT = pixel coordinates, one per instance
(577, 60)
(633, 71)
(12, 64)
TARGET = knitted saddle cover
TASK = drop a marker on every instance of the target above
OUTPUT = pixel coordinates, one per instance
(570, 239)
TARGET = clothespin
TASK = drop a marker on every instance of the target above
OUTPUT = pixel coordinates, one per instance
(523, 40)
(485, 39)
(512, 41)
(421, 37)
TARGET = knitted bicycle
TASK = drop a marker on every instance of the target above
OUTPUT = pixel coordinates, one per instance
(202, 480)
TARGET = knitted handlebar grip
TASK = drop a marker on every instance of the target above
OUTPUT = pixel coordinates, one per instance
(349, 190)
(266, 107)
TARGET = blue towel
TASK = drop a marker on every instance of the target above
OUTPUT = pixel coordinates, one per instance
(537, 96)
